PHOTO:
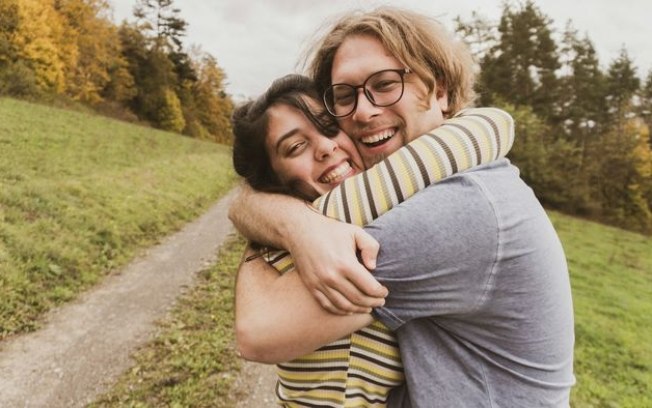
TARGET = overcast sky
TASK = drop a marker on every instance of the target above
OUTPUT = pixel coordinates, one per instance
(256, 41)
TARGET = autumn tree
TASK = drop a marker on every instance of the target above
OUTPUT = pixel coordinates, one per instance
(17, 77)
(91, 40)
(211, 96)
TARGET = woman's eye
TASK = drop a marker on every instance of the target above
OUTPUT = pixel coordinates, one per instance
(296, 148)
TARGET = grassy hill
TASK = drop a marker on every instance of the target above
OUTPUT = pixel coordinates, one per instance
(611, 276)
(80, 194)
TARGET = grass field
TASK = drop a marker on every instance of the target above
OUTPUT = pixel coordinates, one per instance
(81, 194)
(611, 272)
(611, 276)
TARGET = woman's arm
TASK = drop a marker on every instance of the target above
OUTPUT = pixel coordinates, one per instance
(277, 319)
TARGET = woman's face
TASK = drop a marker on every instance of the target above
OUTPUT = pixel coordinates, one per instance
(303, 158)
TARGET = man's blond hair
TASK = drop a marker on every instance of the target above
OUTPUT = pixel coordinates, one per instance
(419, 42)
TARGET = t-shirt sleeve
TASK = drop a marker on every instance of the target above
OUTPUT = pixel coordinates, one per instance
(437, 252)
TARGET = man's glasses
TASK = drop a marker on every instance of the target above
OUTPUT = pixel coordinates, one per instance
(383, 88)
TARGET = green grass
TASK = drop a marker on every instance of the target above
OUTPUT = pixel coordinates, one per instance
(192, 362)
(611, 273)
(81, 194)
(611, 276)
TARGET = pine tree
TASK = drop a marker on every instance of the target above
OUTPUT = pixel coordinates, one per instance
(645, 109)
(520, 69)
(479, 33)
(621, 86)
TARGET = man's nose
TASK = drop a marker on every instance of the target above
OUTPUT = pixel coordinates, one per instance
(365, 110)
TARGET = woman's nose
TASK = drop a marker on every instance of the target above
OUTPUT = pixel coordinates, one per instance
(326, 147)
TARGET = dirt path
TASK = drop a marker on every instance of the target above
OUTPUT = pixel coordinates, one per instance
(84, 346)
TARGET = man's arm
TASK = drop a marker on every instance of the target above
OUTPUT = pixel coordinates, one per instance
(277, 319)
(333, 273)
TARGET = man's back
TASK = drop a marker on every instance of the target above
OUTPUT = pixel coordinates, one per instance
(479, 294)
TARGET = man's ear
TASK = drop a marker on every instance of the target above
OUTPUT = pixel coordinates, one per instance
(441, 99)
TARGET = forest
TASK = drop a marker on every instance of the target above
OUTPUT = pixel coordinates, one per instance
(70, 50)
(583, 132)
(583, 138)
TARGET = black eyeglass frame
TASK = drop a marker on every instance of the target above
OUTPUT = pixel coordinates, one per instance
(401, 71)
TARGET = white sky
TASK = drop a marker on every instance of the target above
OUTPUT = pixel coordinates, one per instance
(256, 41)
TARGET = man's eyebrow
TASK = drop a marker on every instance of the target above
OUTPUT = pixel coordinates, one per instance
(285, 136)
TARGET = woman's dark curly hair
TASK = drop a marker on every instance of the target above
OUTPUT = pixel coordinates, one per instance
(250, 126)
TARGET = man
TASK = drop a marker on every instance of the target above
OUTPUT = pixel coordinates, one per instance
(479, 294)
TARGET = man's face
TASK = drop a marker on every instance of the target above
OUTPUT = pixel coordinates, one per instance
(380, 131)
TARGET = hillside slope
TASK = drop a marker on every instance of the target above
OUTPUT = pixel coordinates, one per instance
(80, 194)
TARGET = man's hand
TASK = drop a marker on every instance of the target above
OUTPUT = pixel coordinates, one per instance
(325, 255)
(324, 250)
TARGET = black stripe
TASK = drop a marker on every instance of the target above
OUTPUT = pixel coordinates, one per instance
(447, 150)
(494, 126)
(321, 387)
(326, 199)
(365, 333)
(395, 183)
(370, 197)
(345, 204)
(422, 167)
(474, 141)
(339, 346)
(307, 369)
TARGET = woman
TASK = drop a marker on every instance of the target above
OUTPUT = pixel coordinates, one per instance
(286, 142)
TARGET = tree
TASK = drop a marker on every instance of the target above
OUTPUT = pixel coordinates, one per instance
(17, 78)
(580, 107)
(621, 86)
(163, 19)
(94, 42)
(479, 33)
(170, 116)
(37, 39)
(520, 68)
(623, 179)
(645, 109)
(215, 107)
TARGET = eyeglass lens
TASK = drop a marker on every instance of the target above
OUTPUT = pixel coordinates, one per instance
(383, 88)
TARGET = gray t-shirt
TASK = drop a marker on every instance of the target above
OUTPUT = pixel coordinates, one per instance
(479, 294)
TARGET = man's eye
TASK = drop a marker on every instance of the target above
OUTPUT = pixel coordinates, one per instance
(385, 86)
(344, 99)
